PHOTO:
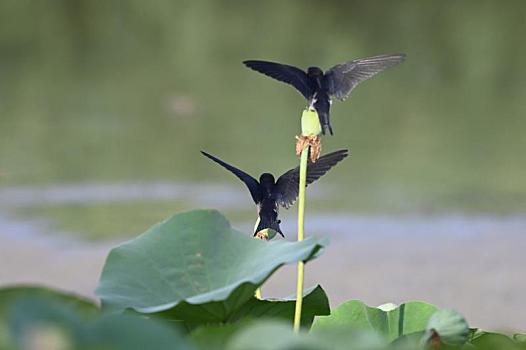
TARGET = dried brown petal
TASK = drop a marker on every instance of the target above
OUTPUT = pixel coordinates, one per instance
(314, 142)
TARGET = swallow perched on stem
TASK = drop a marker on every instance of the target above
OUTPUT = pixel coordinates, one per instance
(269, 194)
(318, 87)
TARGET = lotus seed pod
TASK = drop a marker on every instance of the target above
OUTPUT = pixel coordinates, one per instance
(310, 123)
(449, 325)
(265, 234)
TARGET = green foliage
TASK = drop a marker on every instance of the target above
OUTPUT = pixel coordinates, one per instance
(234, 309)
(215, 337)
(11, 295)
(197, 277)
(450, 326)
(267, 335)
(413, 324)
(520, 338)
(195, 268)
(490, 340)
(405, 319)
(315, 302)
(35, 318)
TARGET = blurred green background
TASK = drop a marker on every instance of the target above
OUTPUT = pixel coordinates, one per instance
(129, 92)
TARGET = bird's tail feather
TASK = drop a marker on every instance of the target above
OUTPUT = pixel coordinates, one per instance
(322, 104)
(325, 122)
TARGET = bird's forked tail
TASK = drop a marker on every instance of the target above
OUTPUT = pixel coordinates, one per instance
(325, 123)
(323, 105)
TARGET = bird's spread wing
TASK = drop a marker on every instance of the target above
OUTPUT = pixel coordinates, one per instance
(250, 182)
(287, 186)
(285, 73)
(342, 78)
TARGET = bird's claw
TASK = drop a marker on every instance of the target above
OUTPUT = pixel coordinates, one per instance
(314, 142)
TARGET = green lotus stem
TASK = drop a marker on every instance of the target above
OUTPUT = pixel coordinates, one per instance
(301, 216)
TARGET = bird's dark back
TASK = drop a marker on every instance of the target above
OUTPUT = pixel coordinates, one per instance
(268, 206)
(316, 76)
(268, 209)
(267, 181)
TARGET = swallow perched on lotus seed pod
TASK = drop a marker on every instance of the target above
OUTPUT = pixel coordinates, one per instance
(269, 194)
(320, 88)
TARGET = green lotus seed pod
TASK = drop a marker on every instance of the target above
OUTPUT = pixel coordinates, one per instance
(451, 327)
(310, 123)
(266, 234)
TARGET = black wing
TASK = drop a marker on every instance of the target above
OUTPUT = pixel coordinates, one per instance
(342, 78)
(252, 184)
(285, 73)
(287, 186)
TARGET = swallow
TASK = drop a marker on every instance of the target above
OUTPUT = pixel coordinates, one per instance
(269, 194)
(319, 88)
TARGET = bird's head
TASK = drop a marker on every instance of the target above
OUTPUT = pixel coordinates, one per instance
(314, 72)
(266, 179)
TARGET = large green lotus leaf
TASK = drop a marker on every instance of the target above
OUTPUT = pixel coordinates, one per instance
(315, 302)
(38, 318)
(125, 332)
(520, 338)
(11, 295)
(483, 340)
(194, 258)
(405, 319)
(275, 335)
(215, 337)
(270, 335)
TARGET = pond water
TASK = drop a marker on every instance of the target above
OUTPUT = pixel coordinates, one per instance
(89, 209)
